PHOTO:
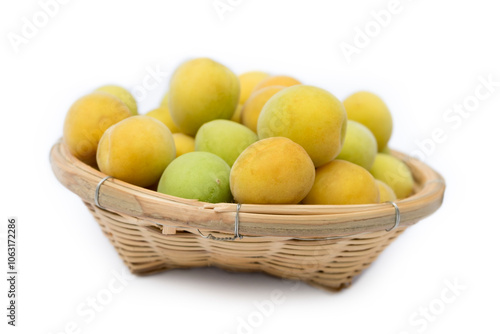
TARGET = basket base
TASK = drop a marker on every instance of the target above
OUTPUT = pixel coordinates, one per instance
(329, 264)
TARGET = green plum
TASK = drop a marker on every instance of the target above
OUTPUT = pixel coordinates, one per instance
(197, 175)
(360, 145)
(227, 139)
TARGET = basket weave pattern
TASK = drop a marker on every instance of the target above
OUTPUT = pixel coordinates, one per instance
(328, 263)
(153, 232)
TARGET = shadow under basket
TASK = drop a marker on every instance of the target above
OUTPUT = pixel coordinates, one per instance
(323, 245)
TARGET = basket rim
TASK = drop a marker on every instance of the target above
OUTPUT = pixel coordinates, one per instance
(283, 220)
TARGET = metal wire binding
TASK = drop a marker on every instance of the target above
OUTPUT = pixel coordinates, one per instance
(398, 216)
(237, 222)
(396, 224)
(96, 196)
(238, 236)
(236, 229)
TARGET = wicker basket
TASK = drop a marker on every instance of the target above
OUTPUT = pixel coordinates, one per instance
(323, 245)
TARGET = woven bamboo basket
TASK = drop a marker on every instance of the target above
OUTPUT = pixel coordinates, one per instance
(323, 245)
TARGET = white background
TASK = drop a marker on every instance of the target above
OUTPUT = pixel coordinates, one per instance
(427, 59)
